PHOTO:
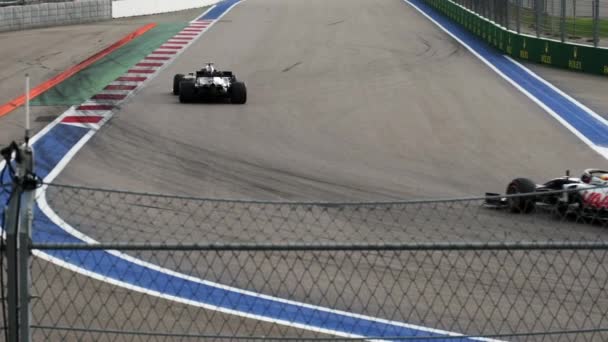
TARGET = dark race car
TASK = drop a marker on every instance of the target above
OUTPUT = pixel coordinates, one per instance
(209, 84)
(586, 196)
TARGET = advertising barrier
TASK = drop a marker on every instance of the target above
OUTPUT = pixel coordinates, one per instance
(131, 8)
(540, 50)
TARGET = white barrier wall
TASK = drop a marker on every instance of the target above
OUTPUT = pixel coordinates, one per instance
(53, 14)
(131, 8)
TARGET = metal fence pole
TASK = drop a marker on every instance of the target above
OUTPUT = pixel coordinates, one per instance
(562, 22)
(11, 223)
(518, 5)
(574, 18)
(18, 236)
(505, 8)
(537, 13)
(596, 22)
(24, 242)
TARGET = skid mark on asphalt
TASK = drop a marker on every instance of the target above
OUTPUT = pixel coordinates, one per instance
(291, 67)
(336, 23)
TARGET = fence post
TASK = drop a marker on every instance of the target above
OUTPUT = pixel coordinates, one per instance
(537, 14)
(11, 222)
(562, 22)
(596, 22)
(25, 240)
(18, 236)
(518, 5)
(505, 8)
(574, 18)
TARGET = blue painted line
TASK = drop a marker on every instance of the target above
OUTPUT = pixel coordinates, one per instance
(588, 125)
(49, 151)
(218, 10)
(103, 263)
(54, 146)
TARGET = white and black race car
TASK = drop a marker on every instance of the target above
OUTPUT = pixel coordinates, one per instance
(209, 84)
(585, 196)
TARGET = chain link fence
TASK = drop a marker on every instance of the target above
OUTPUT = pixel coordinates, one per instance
(578, 21)
(332, 292)
(28, 2)
(123, 266)
(124, 217)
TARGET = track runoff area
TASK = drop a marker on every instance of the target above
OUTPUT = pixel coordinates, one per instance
(57, 144)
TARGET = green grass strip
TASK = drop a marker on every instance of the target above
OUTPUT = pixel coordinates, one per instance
(93, 79)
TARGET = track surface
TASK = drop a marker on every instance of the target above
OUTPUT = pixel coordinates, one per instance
(354, 100)
(351, 101)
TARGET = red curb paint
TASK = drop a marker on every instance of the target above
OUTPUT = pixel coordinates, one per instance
(149, 64)
(120, 87)
(131, 79)
(177, 42)
(192, 30)
(157, 58)
(187, 34)
(46, 85)
(95, 107)
(170, 47)
(108, 97)
(157, 52)
(141, 71)
(82, 119)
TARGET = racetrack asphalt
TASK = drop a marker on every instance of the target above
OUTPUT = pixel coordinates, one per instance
(356, 100)
(367, 101)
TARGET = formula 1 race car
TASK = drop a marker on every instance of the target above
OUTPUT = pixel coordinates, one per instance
(586, 196)
(209, 84)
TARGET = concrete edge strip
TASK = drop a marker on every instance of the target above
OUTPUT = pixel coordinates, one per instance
(46, 85)
(603, 151)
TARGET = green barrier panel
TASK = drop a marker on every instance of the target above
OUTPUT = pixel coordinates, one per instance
(563, 55)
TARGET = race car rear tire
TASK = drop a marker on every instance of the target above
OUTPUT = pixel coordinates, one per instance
(521, 204)
(238, 93)
(187, 91)
(176, 80)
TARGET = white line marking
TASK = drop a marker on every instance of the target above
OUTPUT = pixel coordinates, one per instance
(113, 92)
(130, 83)
(195, 20)
(559, 91)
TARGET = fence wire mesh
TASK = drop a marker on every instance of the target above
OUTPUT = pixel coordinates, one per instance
(28, 2)
(3, 290)
(112, 216)
(498, 292)
(122, 266)
(577, 21)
